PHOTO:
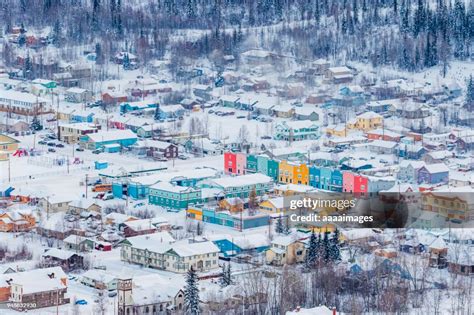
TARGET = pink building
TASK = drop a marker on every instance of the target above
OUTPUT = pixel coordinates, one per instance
(241, 161)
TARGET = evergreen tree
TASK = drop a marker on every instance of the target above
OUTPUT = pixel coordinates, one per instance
(312, 253)
(157, 112)
(95, 14)
(279, 228)
(27, 67)
(36, 124)
(56, 33)
(286, 226)
(335, 251)
(470, 93)
(126, 61)
(326, 247)
(191, 293)
(226, 277)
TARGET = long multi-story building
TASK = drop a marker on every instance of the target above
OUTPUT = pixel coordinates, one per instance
(160, 251)
(25, 104)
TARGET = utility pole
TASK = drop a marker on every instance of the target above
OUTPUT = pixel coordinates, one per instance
(9, 167)
(87, 177)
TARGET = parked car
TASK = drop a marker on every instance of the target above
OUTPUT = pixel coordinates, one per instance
(101, 267)
(81, 302)
(182, 157)
(240, 117)
(42, 142)
(59, 145)
(97, 151)
(265, 137)
(51, 150)
(112, 293)
(108, 197)
(51, 144)
(79, 149)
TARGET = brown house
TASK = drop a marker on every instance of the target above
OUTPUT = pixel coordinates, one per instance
(16, 222)
(112, 98)
(157, 149)
(461, 260)
(67, 260)
(35, 288)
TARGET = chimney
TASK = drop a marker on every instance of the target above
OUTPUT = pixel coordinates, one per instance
(334, 311)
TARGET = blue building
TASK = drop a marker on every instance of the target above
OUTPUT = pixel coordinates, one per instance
(171, 111)
(89, 118)
(99, 140)
(325, 178)
(134, 106)
(314, 176)
(5, 191)
(231, 246)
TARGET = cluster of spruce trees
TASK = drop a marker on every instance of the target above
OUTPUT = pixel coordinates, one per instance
(323, 249)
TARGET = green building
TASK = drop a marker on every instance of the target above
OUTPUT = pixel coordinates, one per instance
(177, 197)
(273, 167)
(251, 163)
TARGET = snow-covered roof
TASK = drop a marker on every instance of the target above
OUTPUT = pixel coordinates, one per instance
(99, 276)
(283, 240)
(251, 241)
(298, 124)
(244, 180)
(118, 217)
(414, 164)
(257, 53)
(342, 69)
(383, 144)
(165, 186)
(38, 280)
(21, 97)
(369, 115)
(157, 242)
(76, 90)
(439, 243)
(171, 108)
(112, 135)
(436, 168)
(294, 187)
(186, 248)
(277, 202)
(59, 253)
(75, 239)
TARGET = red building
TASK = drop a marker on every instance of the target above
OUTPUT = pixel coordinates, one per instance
(230, 163)
(114, 98)
(385, 135)
(355, 184)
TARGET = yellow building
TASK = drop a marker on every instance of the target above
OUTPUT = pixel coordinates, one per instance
(8, 145)
(273, 205)
(293, 173)
(284, 250)
(337, 130)
(452, 205)
(366, 121)
(194, 213)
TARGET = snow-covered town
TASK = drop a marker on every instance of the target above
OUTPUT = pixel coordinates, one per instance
(172, 157)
